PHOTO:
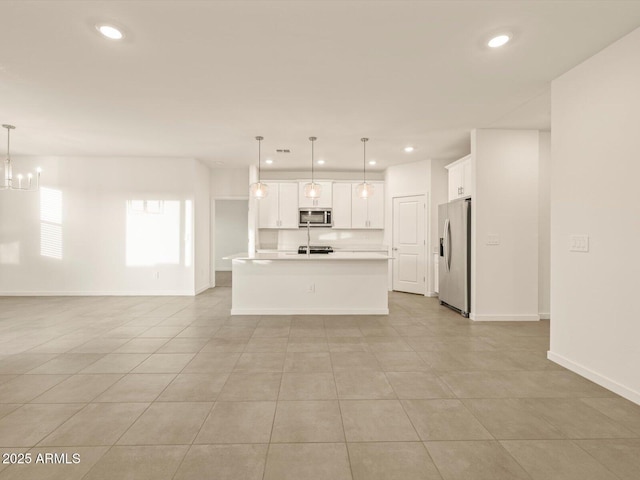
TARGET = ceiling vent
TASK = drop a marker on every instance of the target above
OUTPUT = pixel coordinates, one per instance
(283, 150)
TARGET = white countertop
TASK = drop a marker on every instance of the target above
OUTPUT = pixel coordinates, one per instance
(313, 256)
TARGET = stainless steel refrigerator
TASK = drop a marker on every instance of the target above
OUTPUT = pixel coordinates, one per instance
(454, 266)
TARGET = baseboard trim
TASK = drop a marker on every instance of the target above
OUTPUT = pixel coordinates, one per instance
(595, 377)
(545, 316)
(202, 289)
(310, 311)
(431, 294)
(504, 318)
(167, 293)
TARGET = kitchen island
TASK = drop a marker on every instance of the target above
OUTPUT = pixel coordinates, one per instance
(288, 283)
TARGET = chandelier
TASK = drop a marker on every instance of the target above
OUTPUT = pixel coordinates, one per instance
(19, 182)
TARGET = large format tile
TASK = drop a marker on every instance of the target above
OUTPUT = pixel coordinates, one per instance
(418, 385)
(260, 362)
(309, 461)
(308, 421)
(164, 363)
(25, 388)
(479, 460)
(308, 386)
(27, 425)
(194, 387)
(116, 363)
(363, 385)
(391, 460)
(139, 463)
(172, 423)
(578, 420)
(238, 422)
(68, 363)
(210, 362)
(86, 456)
(444, 419)
(78, 389)
(308, 362)
(223, 462)
(621, 456)
(556, 460)
(96, 424)
(618, 409)
(137, 388)
(376, 421)
(251, 386)
(512, 418)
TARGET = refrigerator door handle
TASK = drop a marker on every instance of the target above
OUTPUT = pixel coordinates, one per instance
(447, 247)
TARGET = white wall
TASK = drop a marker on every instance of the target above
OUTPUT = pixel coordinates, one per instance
(595, 326)
(504, 277)
(544, 225)
(230, 183)
(86, 238)
(231, 231)
(202, 227)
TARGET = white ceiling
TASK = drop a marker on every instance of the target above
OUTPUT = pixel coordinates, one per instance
(202, 79)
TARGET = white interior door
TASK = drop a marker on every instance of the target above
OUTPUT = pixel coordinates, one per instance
(409, 244)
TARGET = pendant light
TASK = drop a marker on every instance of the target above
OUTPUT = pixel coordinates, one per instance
(364, 190)
(8, 183)
(258, 189)
(312, 190)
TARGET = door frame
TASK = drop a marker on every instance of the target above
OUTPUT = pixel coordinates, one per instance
(427, 240)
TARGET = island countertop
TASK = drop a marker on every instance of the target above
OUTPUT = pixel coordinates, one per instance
(311, 257)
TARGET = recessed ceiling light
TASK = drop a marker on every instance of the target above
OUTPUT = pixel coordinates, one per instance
(499, 40)
(372, 162)
(408, 149)
(110, 31)
(268, 161)
(320, 162)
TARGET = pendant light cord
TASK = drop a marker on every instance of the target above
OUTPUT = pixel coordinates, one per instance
(364, 159)
(313, 139)
(259, 156)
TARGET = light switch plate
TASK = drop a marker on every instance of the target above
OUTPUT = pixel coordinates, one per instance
(493, 239)
(579, 243)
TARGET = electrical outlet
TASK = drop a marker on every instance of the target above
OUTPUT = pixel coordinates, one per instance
(157, 275)
(579, 243)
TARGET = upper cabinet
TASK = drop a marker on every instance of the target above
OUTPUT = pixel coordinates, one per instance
(324, 201)
(368, 213)
(460, 178)
(279, 209)
(341, 209)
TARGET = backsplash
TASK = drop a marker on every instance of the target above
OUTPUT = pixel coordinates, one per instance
(291, 239)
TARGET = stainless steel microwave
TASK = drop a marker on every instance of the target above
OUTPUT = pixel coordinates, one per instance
(314, 217)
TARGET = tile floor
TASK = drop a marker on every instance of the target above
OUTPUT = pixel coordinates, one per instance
(175, 388)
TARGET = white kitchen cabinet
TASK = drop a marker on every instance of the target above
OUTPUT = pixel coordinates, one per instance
(368, 213)
(341, 209)
(460, 178)
(324, 201)
(279, 209)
